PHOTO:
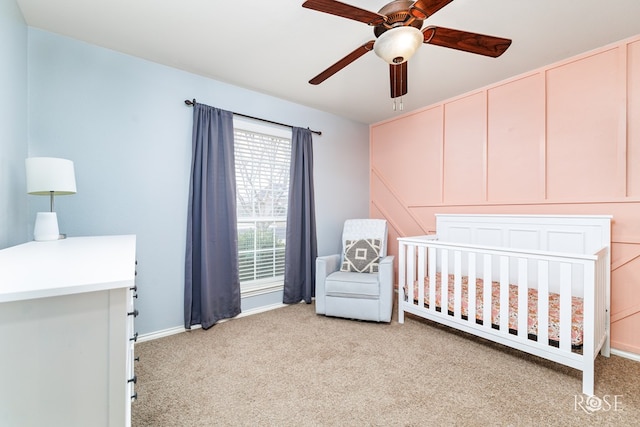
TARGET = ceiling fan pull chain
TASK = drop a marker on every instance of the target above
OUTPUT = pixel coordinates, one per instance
(399, 105)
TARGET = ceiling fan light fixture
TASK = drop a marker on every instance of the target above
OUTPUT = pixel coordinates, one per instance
(397, 45)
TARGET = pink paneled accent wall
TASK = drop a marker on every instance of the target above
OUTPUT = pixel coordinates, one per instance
(465, 130)
(583, 108)
(420, 152)
(563, 139)
(515, 130)
(633, 121)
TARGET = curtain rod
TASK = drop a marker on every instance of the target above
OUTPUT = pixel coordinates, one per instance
(193, 102)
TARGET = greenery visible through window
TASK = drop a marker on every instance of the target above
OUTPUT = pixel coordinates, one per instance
(262, 186)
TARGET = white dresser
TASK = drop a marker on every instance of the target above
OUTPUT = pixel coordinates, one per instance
(66, 332)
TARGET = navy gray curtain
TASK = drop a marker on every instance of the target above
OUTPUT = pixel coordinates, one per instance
(212, 281)
(301, 247)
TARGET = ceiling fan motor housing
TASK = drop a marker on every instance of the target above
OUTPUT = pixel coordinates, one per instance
(397, 13)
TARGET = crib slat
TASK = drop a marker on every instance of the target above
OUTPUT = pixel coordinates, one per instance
(504, 294)
(411, 272)
(471, 288)
(523, 298)
(457, 284)
(444, 282)
(543, 302)
(432, 255)
(565, 306)
(401, 280)
(421, 274)
(486, 292)
(401, 269)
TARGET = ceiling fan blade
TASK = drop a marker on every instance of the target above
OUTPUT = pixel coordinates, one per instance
(368, 46)
(422, 9)
(398, 79)
(466, 41)
(345, 10)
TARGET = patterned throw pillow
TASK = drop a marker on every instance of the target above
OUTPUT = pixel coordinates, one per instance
(361, 256)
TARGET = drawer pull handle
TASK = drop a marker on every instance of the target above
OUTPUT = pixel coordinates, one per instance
(133, 313)
(134, 396)
(133, 380)
(137, 358)
(135, 337)
(134, 288)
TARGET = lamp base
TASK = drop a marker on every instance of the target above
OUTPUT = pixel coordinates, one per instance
(46, 227)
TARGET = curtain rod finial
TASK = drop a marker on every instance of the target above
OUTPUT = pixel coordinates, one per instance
(317, 132)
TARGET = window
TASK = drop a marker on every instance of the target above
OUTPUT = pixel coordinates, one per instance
(262, 156)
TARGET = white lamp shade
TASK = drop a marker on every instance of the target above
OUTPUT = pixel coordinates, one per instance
(49, 174)
(397, 45)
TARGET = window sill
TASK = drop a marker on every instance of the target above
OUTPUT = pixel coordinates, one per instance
(264, 288)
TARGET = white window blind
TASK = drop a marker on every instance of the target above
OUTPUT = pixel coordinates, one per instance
(262, 188)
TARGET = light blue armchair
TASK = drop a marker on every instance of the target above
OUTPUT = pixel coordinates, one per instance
(358, 283)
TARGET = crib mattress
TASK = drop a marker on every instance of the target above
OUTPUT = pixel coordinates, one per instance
(577, 313)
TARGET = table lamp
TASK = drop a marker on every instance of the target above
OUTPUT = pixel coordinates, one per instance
(49, 176)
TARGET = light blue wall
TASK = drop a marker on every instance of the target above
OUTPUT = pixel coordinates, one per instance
(13, 125)
(123, 122)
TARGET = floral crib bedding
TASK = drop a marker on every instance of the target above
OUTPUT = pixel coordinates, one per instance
(577, 313)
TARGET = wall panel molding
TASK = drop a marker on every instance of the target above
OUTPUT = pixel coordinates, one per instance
(632, 122)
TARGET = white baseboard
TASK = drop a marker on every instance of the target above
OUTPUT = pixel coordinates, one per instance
(179, 329)
(626, 354)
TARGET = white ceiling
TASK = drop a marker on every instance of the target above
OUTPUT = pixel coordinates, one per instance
(276, 46)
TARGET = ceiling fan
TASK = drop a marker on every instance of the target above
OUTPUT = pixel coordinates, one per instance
(398, 31)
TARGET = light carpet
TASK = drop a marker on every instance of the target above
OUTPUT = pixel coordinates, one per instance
(291, 367)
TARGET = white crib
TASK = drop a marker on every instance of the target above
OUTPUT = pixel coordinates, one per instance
(544, 281)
